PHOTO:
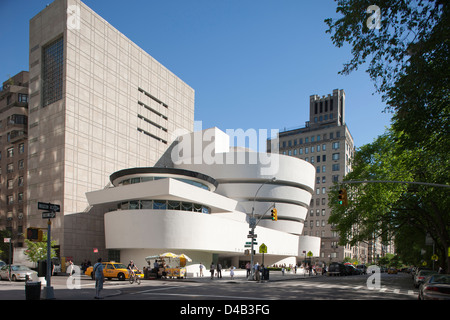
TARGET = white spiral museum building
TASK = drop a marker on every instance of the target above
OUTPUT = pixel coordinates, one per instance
(202, 202)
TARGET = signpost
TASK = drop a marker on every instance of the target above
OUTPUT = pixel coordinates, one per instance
(263, 249)
(49, 214)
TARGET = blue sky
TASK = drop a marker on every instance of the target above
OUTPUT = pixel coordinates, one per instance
(253, 64)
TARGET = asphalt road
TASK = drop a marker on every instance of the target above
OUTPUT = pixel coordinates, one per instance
(392, 287)
(196, 298)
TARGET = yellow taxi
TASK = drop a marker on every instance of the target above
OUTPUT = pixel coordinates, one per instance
(392, 271)
(113, 270)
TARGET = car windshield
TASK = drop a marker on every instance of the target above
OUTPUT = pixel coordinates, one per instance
(119, 266)
(441, 278)
(20, 268)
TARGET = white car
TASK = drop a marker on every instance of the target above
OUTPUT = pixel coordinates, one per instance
(18, 272)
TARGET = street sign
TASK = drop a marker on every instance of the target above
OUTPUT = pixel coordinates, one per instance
(252, 236)
(48, 215)
(49, 206)
(309, 254)
(263, 248)
(434, 257)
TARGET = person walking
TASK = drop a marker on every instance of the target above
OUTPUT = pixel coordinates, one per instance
(212, 267)
(257, 272)
(219, 270)
(99, 278)
(201, 266)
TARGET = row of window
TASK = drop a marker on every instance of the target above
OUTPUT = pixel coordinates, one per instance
(318, 211)
(319, 137)
(319, 223)
(10, 151)
(325, 117)
(10, 166)
(10, 198)
(15, 119)
(10, 182)
(319, 106)
(163, 205)
(21, 97)
(145, 179)
(335, 146)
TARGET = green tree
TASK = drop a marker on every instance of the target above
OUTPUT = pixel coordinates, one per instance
(408, 60)
(391, 210)
(37, 250)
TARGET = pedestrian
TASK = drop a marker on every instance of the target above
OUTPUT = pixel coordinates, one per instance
(257, 274)
(99, 278)
(201, 266)
(248, 267)
(232, 272)
(219, 270)
(212, 267)
(70, 268)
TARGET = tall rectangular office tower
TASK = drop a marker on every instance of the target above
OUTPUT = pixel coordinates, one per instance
(98, 103)
(327, 144)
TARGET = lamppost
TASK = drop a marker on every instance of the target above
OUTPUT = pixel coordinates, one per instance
(253, 223)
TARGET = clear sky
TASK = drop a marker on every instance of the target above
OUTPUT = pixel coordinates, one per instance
(252, 63)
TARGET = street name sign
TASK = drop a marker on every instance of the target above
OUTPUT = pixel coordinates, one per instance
(49, 206)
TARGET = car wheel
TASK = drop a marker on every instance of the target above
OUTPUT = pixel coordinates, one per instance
(121, 276)
(14, 278)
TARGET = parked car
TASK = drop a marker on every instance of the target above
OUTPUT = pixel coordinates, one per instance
(421, 276)
(336, 269)
(18, 272)
(362, 268)
(2, 263)
(351, 270)
(436, 287)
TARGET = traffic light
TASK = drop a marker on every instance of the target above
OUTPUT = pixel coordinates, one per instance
(342, 198)
(34, 234)
(274, 214)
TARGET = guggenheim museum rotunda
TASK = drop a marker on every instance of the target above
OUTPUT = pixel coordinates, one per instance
(200, 200)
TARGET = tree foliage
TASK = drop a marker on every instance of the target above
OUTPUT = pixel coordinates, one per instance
(406, 28)
(37, 250)
(392, 210)
(408, 60)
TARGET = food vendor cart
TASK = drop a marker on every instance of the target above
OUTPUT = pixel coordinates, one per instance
(173, 268)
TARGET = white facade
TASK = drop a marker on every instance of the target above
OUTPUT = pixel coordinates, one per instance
(156, 212)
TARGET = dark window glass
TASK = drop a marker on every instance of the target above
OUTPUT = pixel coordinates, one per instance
(52, 72)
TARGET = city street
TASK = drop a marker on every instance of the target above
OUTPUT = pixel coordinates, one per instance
(288, 287)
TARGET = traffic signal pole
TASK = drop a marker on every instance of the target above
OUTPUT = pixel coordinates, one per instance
(48, 289)
(252, 224)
